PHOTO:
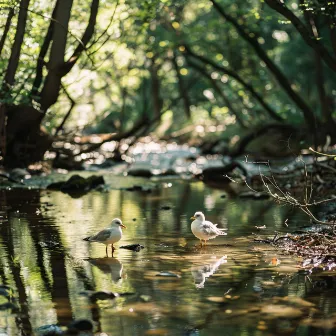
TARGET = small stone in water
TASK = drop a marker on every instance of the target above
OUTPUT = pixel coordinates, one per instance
(77, 326)
(168, 274)
(133, 247)
(49, 330)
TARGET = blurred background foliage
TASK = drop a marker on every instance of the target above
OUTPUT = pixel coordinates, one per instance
(144, 62)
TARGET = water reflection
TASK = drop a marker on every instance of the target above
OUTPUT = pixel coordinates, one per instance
(110, 266)
(201, 273)
(47, 265)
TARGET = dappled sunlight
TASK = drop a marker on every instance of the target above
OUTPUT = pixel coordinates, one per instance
(172, 281)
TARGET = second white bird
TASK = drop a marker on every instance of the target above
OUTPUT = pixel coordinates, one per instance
(204, 230)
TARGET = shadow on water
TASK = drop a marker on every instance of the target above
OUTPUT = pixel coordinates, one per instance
(178, 288)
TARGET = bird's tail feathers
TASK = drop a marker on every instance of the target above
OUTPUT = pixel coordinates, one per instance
(87, 238)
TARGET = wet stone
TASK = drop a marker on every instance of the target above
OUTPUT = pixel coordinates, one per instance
(77, 326)
(168, 274)
(133, 247)
(77, 185)
(101, 295)
(49, 330)
(139, 188)
(140, 172)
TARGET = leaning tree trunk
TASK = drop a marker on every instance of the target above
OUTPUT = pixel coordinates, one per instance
(16, 48)
(26, 142)
(6, 28)
(50, 91)
(57, 67)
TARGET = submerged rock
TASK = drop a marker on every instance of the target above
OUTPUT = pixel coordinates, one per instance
(49, 330)
(77, 326)
(19, 174)
(77, 185)
(139, 188)
(101, 295)
(104, 295)
(168, 275)
(140, 172)
(133, 247)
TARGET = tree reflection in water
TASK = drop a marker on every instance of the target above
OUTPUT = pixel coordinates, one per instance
(48, 267)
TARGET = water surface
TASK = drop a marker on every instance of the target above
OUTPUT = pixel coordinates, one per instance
(233, 285)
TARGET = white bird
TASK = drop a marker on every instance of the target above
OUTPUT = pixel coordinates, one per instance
(109, 235)
(204, 230)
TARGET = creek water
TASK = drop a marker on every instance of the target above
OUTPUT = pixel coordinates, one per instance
(231, 287)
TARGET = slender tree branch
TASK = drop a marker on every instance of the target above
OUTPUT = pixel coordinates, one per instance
(67, 115)
(311, 40)
(278, 74)
(220, 92)
(234, 75)
(183, 92)
(85, 38)
(43, 52)
(6, 28)
(16, 48)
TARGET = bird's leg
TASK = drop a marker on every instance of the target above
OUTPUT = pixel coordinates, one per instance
(112, 248)
(204, 242)
(106, 251)
(201, 243)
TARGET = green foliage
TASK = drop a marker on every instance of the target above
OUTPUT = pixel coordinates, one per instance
(133, 52)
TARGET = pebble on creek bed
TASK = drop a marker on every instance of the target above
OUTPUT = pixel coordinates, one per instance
(78, 185)
(133, 247)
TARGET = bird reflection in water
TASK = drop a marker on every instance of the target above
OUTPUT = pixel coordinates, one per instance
(109, 266)
(202, 272)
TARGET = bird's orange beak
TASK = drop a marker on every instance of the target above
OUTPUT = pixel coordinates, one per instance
(123, 226)
(192, 217)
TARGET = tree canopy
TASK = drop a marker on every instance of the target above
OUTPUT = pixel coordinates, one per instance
(125, 67)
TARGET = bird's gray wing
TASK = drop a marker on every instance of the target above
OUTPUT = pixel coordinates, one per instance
(211, 229)
(101, 236)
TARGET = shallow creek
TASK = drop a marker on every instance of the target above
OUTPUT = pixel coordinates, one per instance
(231, 287)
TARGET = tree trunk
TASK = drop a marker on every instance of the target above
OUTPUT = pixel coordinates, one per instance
(182, 89)
(16, 48)
(6, 28)
(26, 143)
(155, 85)
(240, 80)
(57, 67)
(52, 83)
(43, 52)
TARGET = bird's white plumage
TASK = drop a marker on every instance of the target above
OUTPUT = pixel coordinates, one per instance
(110, 235)
(203, 229)
(107, 236)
